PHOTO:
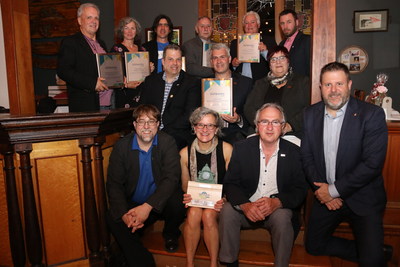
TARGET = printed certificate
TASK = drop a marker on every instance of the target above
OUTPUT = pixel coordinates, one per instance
(109, 67)
(137, 66)
(204, 195)
(217, 95)
(183, 63)
(248, 48)
(206, 55)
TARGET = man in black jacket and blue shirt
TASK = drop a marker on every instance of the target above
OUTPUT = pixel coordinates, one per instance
(143, 185)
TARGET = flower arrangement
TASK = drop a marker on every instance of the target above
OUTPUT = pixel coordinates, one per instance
(379, 90)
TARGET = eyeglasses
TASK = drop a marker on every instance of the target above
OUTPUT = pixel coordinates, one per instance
(276, 59)
(149, 122)
(274, 123)
(208, 126)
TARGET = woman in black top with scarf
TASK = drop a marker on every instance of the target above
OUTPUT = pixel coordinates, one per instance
(205, 161)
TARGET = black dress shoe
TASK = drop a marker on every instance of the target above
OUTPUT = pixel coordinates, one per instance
(233, 264)
(171, 245)
(387, 252)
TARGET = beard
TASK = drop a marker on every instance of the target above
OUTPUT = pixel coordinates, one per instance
(344, 99)
(291, 33)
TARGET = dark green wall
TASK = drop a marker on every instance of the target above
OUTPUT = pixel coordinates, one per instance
(383, 48)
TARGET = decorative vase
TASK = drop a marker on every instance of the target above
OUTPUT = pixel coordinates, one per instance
(379, 99)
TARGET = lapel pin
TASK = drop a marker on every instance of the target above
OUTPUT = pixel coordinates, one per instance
(283, 155)
(171, 96)
(355, 114)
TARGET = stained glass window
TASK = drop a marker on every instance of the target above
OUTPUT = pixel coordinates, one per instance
(224, 15)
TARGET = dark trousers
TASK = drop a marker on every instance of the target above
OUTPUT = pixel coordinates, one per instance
(366, 249)
(130, 243)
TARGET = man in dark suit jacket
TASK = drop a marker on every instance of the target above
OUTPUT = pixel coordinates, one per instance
(77, 62)
(343, 153)
(193, 50)
(251, 25)
(175, 93)
(162, 34)
(236, 127)
(297, 43)
(265, 186)
(143, 185)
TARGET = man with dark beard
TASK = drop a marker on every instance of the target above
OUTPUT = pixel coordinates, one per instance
(297, 43)
(343, 152)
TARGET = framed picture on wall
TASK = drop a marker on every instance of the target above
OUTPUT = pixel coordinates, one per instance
(371, 20)
(355, 58)
(176, 35)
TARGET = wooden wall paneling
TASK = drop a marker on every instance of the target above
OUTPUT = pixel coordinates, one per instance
(323, 41)
(121, 9)
(279, 6)
(56, 166)
(391, 171)
(17, 47)
(204, 8)
(242, 9)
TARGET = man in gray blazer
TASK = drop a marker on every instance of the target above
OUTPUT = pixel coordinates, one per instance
(193, 50)
(143, 186)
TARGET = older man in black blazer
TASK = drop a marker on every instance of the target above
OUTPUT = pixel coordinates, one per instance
(77, 63)
(265, 187)
(175, 93)
(343, 152)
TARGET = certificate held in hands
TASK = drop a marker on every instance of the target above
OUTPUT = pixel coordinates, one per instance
(217, 95)
(204, 195)
(137, 66)
(248, 48)
(109, 66)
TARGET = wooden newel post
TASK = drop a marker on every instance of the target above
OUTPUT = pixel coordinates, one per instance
(16, 235)
(32, 229)
(91, 218)
(101, 195)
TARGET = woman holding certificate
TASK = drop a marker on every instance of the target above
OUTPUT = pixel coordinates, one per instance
(128, 30)
(282, 86)
(204, 161)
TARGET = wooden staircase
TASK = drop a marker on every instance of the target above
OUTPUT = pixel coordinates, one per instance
(255, 251)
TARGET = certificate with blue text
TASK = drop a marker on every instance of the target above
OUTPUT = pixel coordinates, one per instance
(204, 195)
(248, 48)
(109, 67)
(137, 66)
(217, 95)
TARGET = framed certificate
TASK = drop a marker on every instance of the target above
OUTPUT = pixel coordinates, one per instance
(204, 195)
(217, 95)
(183, 63)
(109, 67)
(248, 48)
(206, 55)
(137, 66)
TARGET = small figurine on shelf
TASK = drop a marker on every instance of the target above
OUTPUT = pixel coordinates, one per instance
(379, 90)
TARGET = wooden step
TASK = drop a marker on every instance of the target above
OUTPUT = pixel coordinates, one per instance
(252, 253)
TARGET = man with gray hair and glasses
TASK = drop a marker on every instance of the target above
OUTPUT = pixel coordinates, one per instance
(265, 187)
